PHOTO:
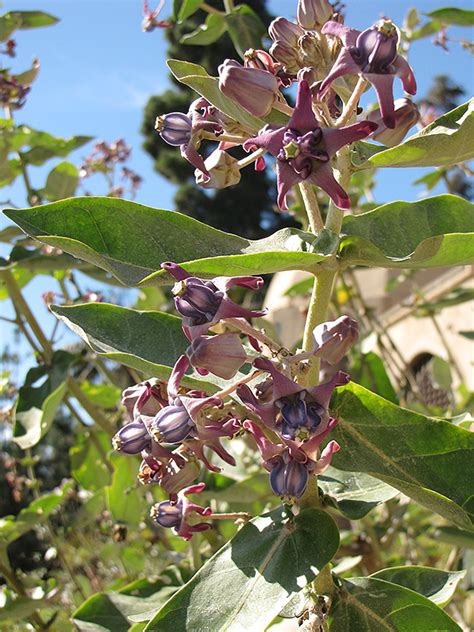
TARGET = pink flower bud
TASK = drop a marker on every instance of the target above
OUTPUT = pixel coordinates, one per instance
(221, 355)
(255, 90)
(406, 116)
(223, 171)
(313, 13)
(287, 55)
(333, 339)
(285, 31)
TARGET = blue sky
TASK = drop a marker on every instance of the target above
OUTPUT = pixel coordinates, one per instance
(98, 69)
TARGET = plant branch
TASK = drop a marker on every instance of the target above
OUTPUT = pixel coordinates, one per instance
(310, 202)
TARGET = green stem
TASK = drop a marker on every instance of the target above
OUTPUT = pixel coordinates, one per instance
(90, 408)
(310, 202)
(351, 105)
(445, 343)
(17, 298)
(208, 9)
(196, 552)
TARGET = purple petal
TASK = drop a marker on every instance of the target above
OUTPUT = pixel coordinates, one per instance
(404, 71)
(334, 138)
(177, 374)
(303, 118)
(347, 35)
(282, 385)
(265, 412)
(271, 140)
(229, 309)
(286, 178)
(175, 270)
(344, 65)
(251, 282)
(322, 393)
(383, 85)
(325, 179)
(190, 153)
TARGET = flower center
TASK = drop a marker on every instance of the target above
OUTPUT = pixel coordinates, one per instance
(303, 153)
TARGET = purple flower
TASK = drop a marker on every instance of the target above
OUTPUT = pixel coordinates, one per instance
(313, 13)
(334, 338)
(288, 477)
(174, 514)
(372, 53)
(298, 414)
(254, 89)
(204, 303)
(185, 130)
(143, 399)
(290, 465)
(304, 149)
(132, 438)
(222, 355)
(172, 424)
(223, 171)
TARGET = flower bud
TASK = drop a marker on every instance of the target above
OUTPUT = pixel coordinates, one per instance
(172, 424)
(376, 47)
(167, 514)
(288, 477)
(223, 171)
(142, 399)
(255, 90)
(221, 355)
(174, 128)
(287, 55)
(175, 477)
(313, 13)
(406, 116)
(132, 438)
(259, 59)
(197, 300)
(285, 31)
(334, 339)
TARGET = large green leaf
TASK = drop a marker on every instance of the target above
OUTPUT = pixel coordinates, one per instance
(188, 8)
(124, 496)
(428, 459)
(89, 459)
(437, 231)
(37, 405)
(131, 241)
(354, 493)
(247, 583)
(366, 604)
(206, 33)
(435, 584)
(111, 611)
(453, 15)
(446, 141)
(246, 29)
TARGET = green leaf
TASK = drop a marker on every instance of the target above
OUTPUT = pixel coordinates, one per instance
(247, 583)
(457, 296)
(27, 77)
(366, 604)
(467, 334)
(457, 537)
(206, 33)
(446, 141)
(89, 460)
(148, 341)
(354, 493)
(196, 77)
(131, 241)
(368, 369)
(188, 8)
(246, 29)
(104, 395)
(113, 611)
(428, 459)
(62, 182)
(17, 20)
(44, 146)
(9, 171)
(37, 405)
(20, 608)
(453, 15)
(12, 527)
(436, 585)
(437, 231)
(22, 277)
(430, 28)
(124, 497)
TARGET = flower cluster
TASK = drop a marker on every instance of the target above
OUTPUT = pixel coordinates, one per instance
(177, 430)
(323, 57)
